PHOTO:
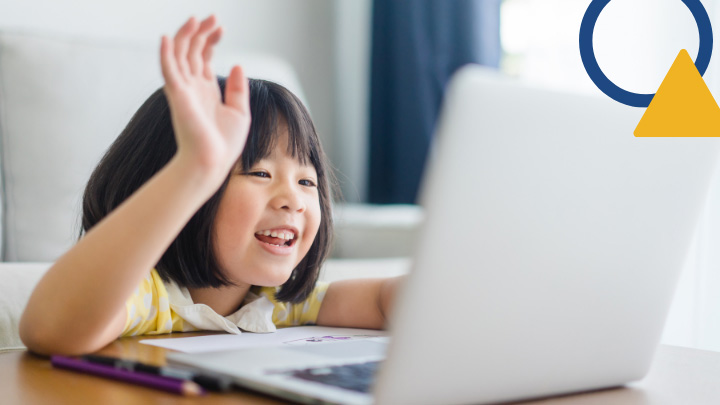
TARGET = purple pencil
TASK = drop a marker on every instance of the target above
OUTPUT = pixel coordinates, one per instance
(174, 385)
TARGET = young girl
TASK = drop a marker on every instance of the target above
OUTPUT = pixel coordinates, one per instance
(232, 215)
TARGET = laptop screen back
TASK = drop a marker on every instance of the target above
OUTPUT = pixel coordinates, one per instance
(551, 248)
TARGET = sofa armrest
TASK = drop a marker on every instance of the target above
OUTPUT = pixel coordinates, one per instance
(376, 230)
(341, 269)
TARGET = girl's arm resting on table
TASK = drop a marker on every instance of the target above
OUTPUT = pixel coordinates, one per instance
(360, 303)
(79, 304)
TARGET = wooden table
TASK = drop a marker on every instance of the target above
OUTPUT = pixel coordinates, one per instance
(678, 376)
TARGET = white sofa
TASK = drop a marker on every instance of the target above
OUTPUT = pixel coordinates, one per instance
(62, 102)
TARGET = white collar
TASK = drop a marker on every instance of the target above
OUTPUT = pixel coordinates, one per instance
(255, 314)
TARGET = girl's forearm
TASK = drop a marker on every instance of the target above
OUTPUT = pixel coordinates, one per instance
(78, 306)
(359, 303)
(387, 296)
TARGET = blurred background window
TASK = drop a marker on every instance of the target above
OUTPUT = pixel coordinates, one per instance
(636, 42)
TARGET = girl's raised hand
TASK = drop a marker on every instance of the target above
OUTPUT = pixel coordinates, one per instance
(208, 133)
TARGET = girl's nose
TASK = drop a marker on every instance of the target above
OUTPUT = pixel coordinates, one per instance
(288, 198)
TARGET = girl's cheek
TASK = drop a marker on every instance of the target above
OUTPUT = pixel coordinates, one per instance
(315, 227)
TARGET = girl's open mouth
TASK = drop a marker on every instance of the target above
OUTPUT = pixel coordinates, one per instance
(277, 238)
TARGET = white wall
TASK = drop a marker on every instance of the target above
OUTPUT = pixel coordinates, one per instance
(299, 31)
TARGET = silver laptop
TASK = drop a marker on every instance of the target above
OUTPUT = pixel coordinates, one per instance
(546, 265)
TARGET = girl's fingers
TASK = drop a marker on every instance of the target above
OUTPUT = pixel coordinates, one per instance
(212, 39)
(182, 42)
(197, 45)
(237, 92)
(167, 62)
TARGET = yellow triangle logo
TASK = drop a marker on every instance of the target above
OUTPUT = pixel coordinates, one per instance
(683, 105)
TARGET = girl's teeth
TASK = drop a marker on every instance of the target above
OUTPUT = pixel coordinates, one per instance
(276, 234)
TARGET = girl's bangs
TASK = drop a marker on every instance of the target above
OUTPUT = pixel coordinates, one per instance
(270, 106)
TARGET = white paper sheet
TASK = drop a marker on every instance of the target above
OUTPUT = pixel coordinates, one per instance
(297, 335)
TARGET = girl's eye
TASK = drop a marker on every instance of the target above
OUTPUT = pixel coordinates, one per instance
(308, 183)
(259, 174)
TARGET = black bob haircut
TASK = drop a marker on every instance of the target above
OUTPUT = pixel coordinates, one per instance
(148, 143)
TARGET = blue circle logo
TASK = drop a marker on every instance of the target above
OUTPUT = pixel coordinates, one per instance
(587, 27)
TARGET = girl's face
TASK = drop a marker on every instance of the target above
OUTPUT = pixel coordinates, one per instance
(268, 218)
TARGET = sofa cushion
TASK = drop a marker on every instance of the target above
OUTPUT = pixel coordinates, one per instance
(17, 281)
(62, 102)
